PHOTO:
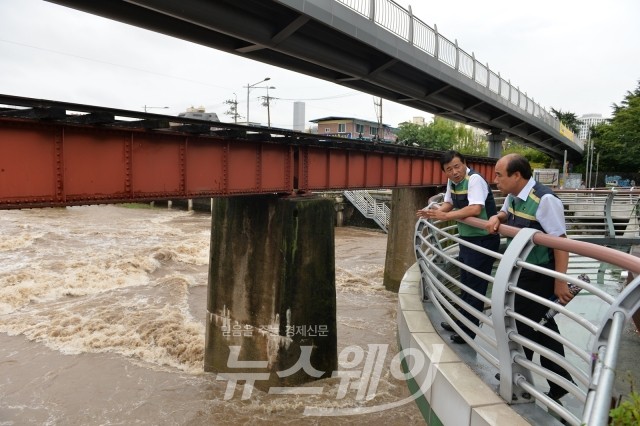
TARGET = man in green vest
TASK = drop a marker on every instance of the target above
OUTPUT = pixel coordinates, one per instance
(467, 195)
(530, 204)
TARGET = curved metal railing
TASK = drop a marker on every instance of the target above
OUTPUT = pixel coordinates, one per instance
(591, 365)
(401, 22)
(612, 214)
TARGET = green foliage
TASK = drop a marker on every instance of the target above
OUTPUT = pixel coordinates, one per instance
(618, 142)
(533, 155)
(442, 134)
(627, 413)
(569, 119)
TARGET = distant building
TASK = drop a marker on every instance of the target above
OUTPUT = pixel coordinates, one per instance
(420, 121)
(199, 114)
(298, 116)
(587, 121)
(354, 128)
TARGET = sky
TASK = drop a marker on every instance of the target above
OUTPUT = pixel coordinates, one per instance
(577, 56)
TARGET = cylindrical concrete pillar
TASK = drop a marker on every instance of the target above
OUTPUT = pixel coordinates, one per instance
(272, 287)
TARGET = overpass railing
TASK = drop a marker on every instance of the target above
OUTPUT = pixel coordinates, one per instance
(401, 22)
(591, 364)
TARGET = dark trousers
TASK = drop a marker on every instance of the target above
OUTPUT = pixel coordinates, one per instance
(543, 286)
(482, 263)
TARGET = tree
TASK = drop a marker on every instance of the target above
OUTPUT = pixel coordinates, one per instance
(618, 141)
(569, 119)
(534, 156)
(441, 134)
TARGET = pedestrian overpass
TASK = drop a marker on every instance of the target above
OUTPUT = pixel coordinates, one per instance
(373, 46)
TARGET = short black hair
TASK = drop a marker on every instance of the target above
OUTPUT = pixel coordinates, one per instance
(519, 163)
(448, 157)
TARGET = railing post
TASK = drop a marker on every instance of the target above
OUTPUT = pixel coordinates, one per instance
(473, 69)
(436, 48)
(610, 231)
(600, 397)
(457, 56)
(410, 26)
(372, 10)
(519, 94)
(488, 77)
(502, 301)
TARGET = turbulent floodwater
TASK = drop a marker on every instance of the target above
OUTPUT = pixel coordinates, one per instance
(102, 314)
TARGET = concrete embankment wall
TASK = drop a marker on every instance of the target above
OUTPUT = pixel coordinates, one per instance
(450, 393)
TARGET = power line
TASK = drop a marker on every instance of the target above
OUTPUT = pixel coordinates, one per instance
(100, 61)
(345, 95)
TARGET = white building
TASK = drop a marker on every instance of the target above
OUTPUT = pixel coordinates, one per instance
(199, 113)
(589, 120)
(298, 116)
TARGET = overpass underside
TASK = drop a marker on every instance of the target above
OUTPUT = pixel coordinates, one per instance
(327, 40)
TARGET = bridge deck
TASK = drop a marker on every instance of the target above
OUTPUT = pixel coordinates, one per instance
(55, 154)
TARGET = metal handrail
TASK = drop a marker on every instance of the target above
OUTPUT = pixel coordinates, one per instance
(370, 207)
(402, 23)
(498, 340)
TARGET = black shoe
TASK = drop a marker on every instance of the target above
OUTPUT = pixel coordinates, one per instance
(456, 338)
(446, 326)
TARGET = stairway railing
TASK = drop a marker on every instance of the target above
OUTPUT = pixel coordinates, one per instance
(370, 207)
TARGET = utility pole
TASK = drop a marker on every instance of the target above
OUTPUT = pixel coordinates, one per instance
(378, 108)
(233, 108)
(266, 101)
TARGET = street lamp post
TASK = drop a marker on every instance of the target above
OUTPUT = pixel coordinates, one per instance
(249, 86)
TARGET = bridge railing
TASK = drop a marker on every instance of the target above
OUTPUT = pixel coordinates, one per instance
(401, 22)
(591, 364)
(602, 214)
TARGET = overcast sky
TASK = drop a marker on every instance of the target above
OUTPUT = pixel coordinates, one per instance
(575, 55)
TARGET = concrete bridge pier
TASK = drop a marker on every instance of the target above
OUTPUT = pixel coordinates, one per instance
(400, 248)
(495, 139)
(271, 308)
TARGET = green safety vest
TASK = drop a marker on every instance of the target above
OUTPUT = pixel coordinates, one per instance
(522, 214)
(459, 198)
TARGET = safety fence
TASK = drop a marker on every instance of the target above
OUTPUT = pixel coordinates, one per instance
(592, 349)
(401, 22)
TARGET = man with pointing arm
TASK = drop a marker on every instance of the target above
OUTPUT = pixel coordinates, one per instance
(467, 195)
